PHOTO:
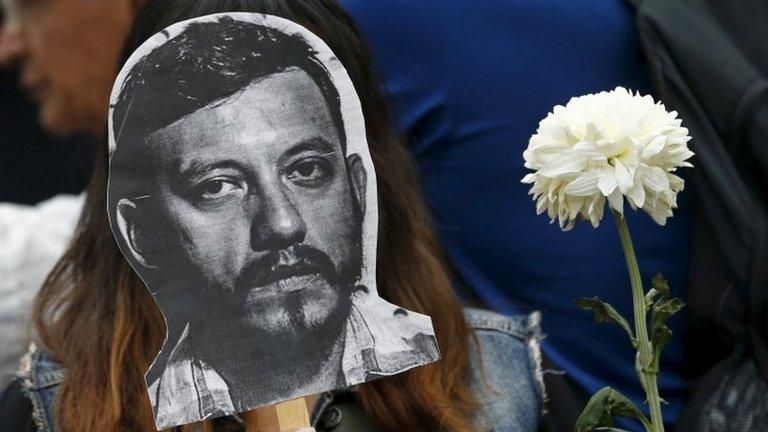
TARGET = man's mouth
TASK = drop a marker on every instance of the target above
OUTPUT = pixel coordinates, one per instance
(287, 271)
(283, 279)
(291, 284)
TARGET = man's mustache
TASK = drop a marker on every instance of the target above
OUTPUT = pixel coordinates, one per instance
(296, 260)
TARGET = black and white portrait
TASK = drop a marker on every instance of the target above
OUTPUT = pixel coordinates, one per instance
(242, 191)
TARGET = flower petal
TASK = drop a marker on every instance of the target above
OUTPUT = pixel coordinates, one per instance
(616, 200)
(596, 210)
(655, 146)
(622, 176)
(656, 179)
(584, 185)
(658, 216)
(564, 164)
(607, 182)
(541, 204)
(636, 194)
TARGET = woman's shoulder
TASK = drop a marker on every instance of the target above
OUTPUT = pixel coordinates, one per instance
(506, 370)
(39, 369)
(29, 399)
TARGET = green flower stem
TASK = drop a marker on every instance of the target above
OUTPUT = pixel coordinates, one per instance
(649, 377)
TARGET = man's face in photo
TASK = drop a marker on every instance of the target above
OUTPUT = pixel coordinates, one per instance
(259, 208)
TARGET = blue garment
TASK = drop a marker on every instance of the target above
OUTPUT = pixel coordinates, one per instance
(470, 80)
(509, 347)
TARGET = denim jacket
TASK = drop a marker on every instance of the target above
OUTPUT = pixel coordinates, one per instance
(508, 384)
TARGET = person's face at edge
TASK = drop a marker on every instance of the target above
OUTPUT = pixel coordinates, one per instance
(67, 51)
(260, 206)
(11, 42)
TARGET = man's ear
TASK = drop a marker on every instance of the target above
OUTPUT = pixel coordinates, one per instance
(133, 232)
(357, 178)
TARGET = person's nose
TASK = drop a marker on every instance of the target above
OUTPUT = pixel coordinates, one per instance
(12, 44)
(277, 223)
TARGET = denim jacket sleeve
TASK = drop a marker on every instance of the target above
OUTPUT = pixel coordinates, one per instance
(41, 376)
(506, 373)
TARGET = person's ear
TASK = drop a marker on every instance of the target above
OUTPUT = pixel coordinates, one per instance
(133, 232)
(357, 178)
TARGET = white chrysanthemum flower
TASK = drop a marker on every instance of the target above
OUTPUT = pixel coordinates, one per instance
(607, 146)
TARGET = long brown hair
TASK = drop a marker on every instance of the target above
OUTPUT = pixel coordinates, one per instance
(98, 319)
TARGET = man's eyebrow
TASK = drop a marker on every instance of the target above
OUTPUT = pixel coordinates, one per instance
(196, 167)
(314, 143)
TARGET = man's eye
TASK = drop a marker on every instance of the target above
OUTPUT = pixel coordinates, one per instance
(308, 172)
(217, 188)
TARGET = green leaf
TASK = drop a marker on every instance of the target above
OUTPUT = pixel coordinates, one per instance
(660, 285)
(660, 288)
(650, 297)
(603, 407)
(605, 313)
(663, 308)
(661, 338)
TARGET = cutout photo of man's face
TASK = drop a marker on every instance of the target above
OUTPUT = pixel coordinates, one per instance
(248, 187)
(242, 191)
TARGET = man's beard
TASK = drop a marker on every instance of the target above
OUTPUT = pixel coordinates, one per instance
(290, 305)
(291, 292)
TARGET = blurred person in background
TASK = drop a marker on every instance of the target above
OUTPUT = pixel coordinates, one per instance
(64, 54)
(469, 82)
(34, 165)
(99, 326)
(66, 51)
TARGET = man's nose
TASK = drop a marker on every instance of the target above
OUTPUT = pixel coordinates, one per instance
(278, 223)
(12, 43)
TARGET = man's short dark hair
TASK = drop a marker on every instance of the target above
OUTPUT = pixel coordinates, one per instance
(207, 63)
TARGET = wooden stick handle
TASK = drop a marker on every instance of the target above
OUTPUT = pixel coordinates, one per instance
(292, 415)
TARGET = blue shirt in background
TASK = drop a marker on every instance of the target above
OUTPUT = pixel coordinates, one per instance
(470, 80)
